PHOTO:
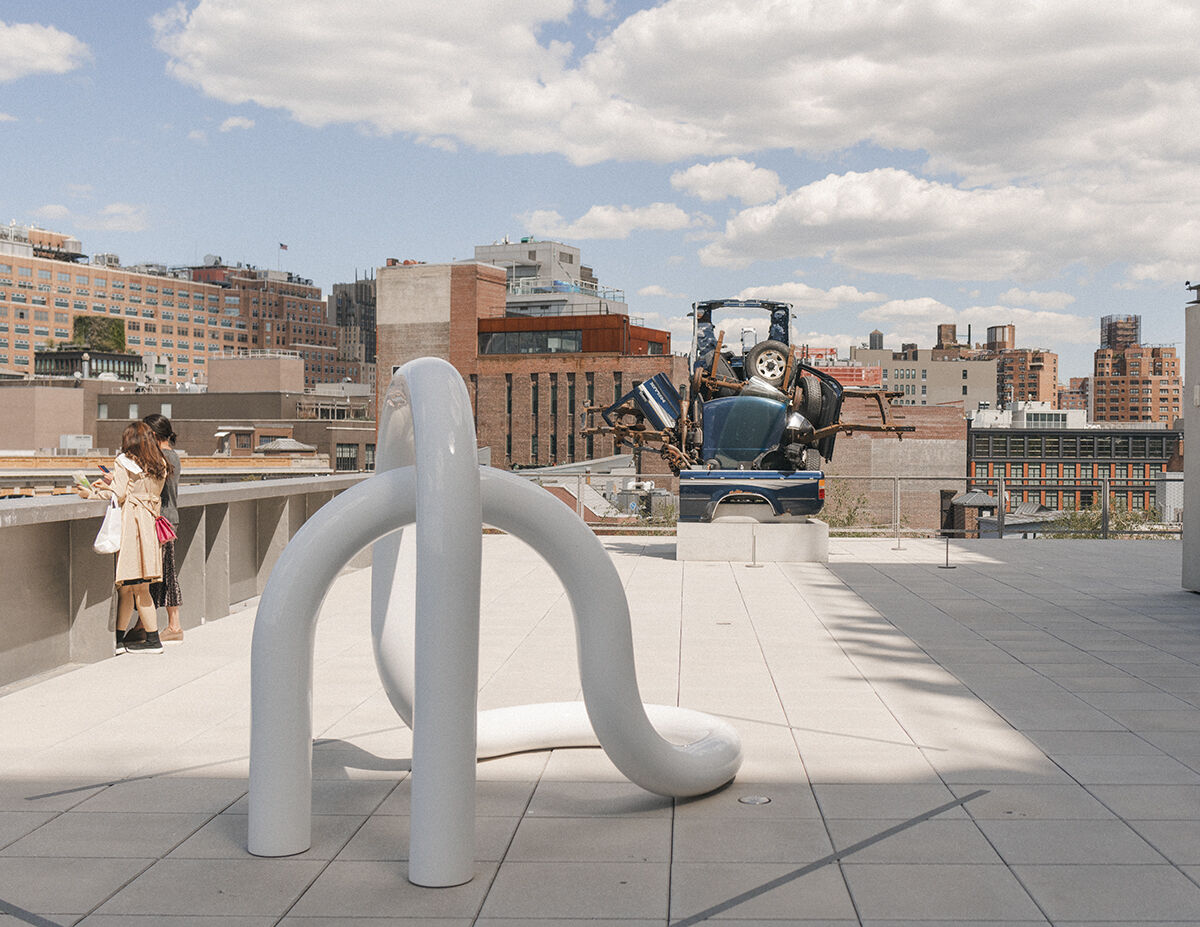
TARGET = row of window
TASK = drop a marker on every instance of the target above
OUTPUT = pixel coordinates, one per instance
(1118, 447)
(565, 341)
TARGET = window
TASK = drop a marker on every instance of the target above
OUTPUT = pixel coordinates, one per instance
(166, 409)
(102, 410)
(133, 410)
(964, 389)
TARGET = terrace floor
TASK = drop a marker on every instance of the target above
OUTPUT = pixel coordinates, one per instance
(1014, 741)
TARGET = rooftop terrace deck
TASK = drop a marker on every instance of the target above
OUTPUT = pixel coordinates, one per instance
(1014, 741)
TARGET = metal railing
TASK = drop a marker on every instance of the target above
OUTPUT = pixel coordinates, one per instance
(868, 506)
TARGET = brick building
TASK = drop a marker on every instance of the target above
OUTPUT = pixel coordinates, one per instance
(859, 487)
(1056, 458)
(1136, 383)
(1075, 394)
(531, 365)
(276, 310)
(175, 318)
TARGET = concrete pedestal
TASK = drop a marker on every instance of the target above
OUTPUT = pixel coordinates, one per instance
(797, 541)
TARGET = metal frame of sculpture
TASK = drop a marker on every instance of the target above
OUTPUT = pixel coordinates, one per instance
(427, 649)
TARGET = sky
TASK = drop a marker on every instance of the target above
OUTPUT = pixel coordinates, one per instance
(882, 165)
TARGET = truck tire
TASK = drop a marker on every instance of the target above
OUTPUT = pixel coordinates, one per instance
(812, 459)
(767, 360)
(813, 399)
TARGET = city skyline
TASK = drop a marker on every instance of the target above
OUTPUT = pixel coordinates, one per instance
(894, 168)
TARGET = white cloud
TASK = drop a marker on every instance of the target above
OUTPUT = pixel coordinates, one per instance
(236, 122)
(609, 221)
(30, 48)
(890, 221)
(1049, 300)
(1075, 114)
(600, 9)
(197, 135)
(115, 217)
(805, 298)
(655, 290)
(734, 177)
(916, 320)
(7, 117)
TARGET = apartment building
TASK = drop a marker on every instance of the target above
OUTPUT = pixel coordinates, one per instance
(1136, 383)
(174, 323)
(1055, 457)
(276, 310)
(926, 380)
(175, 318)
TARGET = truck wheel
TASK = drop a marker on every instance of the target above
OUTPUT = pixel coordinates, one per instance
(812, 459)
(768, 361)
(813, 398)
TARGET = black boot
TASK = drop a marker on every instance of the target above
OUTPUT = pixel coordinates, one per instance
(119, 647)
(150, 644)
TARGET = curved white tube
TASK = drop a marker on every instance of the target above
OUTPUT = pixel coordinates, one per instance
(424, 395)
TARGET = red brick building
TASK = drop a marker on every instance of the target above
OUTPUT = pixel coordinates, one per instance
(1137, 383)
(528, 376)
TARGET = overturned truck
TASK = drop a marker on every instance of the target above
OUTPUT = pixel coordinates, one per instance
(754, 427)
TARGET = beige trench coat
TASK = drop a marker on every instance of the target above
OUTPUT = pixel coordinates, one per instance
(140, 498)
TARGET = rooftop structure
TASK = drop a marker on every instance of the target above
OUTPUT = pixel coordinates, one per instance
(922, 746)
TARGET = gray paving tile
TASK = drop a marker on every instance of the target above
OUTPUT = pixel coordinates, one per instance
(1125, 770)
(16, 824)
(381, 922)
(47, 794)
(503, 798)
(160, 920)
(381, 889)
(215, 887)
(1151, 802)
(386, 837)
(932, 841)
(1068, 842)
(108, 834)
(167, 794)
(1112, 893)
(787, 800)
(1035, 802)
(885, 800)
(582, 799)
(575, 890)
(615, 840)
(225, 837)
(337, 796)
(937, 892)
(740, 892)
(775, 840)
(31, 884)
(1092, 743)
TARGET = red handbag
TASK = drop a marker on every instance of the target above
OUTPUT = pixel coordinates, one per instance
(164, 530)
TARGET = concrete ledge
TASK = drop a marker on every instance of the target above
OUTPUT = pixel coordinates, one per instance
(798, 541)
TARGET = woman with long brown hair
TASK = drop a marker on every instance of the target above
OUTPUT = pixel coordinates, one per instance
(136, 481)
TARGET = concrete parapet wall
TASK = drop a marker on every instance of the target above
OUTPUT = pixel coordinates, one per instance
(60, 606)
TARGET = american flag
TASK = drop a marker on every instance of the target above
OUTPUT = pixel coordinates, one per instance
(282, 246)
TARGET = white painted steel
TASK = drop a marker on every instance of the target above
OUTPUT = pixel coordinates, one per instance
(410, 645)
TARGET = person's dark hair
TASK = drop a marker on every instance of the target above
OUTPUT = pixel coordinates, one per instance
(161, 426)
(139, 442)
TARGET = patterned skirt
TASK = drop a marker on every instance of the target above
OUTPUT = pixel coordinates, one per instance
(165, 593)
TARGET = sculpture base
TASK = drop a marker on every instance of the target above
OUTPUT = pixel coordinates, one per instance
(797, 541)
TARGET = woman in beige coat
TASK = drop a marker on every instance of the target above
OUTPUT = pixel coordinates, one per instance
(136, 481)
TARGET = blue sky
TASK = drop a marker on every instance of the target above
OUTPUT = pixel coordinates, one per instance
(887, 165)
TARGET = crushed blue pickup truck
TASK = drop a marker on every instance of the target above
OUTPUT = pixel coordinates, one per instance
(752, 428)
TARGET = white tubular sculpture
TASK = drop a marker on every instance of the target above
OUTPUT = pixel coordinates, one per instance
(428, 657)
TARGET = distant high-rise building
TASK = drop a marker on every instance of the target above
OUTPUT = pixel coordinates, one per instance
(273, 310)
(875, 340)
(1026, 374)
(352, 309)
(1119, 331)
(1137, 383)
(1075, 394)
